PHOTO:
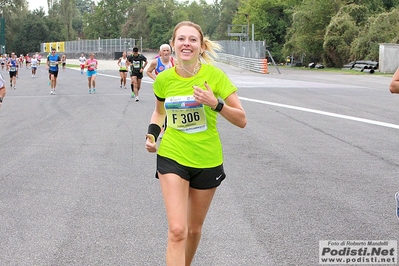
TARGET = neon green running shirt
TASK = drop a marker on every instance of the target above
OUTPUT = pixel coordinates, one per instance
(191, 137)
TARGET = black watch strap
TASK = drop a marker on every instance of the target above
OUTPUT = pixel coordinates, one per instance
(219, 106)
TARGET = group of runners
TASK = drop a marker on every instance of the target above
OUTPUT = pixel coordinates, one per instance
(134, 64)
(12, 63)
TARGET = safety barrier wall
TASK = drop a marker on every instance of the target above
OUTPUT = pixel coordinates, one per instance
(251, 64)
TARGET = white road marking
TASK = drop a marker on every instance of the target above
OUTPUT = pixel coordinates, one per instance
(347, 117)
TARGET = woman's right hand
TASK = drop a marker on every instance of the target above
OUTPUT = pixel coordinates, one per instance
(150, 143)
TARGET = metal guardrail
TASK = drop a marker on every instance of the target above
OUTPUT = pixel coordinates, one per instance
(251, 64)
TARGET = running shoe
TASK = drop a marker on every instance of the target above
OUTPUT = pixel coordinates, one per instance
(89, 91)
(120, 87)
(397, 204)
(51, 92)
(1, 101)
(15, 88)
(133, 95)
(94, 90)
(137, 99)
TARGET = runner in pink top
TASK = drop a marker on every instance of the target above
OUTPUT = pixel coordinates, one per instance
(91, 65)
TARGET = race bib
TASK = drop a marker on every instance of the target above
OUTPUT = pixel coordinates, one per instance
(185, 114)
(136, 64)
(13, 69)
(53, 63)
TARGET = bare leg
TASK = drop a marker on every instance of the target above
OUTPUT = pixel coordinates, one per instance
(89, 82)
(135, 84)
(93, 81)
(199, 202)
(54, 81)
(175, 194)
(138, 87)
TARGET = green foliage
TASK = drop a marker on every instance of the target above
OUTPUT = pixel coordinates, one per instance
(343, 29)
(332, 32)
(160, 15)
(270, 21)
(33, 29)
(306, 34)
(107, 19)
(224, 12)
(382, 28)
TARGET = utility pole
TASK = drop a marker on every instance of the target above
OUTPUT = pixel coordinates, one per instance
(2, 34)
(247, 16)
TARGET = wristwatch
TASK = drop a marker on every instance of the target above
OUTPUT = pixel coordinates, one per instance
(219, 106)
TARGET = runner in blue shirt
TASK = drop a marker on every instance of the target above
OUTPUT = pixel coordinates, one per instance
(12, 64)
(53, 60)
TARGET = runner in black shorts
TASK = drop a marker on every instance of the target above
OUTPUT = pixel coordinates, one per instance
(205, 178)
(137, 63)
(191, 95)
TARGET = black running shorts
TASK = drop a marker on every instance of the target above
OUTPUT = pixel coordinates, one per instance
(55, 73)
(199, 178)
(137, 74)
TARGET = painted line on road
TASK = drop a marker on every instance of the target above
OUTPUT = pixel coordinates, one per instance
(314, 111)
(144, 79)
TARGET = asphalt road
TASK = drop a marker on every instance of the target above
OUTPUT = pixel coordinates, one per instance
(317, 161)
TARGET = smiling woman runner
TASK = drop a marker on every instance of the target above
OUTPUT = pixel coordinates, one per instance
(190, 159)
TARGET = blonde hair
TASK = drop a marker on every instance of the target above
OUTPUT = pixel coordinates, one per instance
(209, 53)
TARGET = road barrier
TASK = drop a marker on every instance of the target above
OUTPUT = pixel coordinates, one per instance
(251, 64)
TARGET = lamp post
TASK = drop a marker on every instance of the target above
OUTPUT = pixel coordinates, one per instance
(2, 34)
(247, 16)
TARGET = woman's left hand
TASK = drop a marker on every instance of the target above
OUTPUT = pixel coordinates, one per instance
(205, 96)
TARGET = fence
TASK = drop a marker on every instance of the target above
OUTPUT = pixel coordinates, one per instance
(251, 64)
(95, 46)
(250, 55)
(247, 49)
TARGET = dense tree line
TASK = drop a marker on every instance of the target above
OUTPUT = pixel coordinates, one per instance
(332, 32)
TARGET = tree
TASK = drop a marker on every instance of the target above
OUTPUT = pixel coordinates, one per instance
(67, 12)
(269, 19)
(14, 13)
(225, 10)
(381, 28)
(35, 25)
(136, 24)
(306, 34)
(107, 19)
(343, 29)
(160, 21)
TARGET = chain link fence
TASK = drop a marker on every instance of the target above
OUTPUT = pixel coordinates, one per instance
(103, 45)
(247, 49)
